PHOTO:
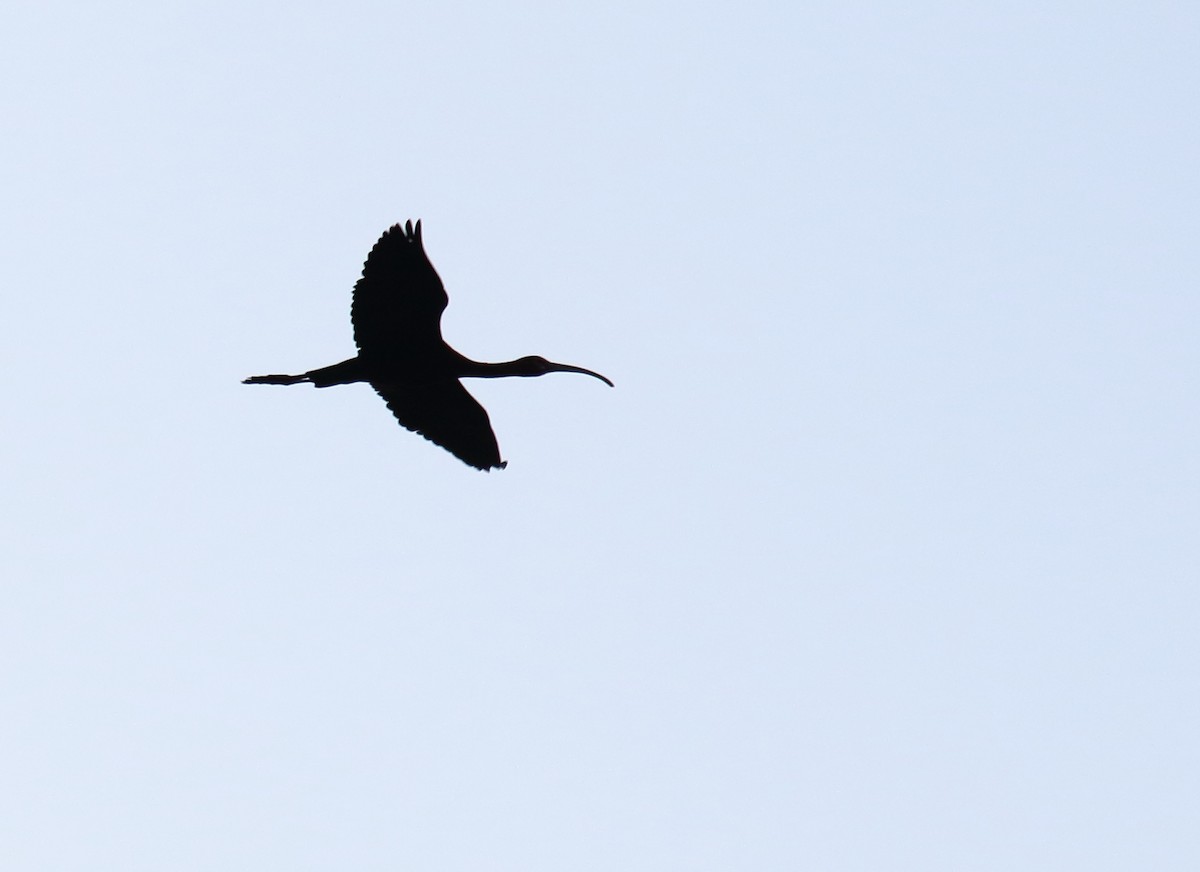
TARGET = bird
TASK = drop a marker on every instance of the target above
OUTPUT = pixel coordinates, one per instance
(396, 312)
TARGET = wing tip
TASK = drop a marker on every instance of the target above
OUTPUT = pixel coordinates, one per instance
(409, 231)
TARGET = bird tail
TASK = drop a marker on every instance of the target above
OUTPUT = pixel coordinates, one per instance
(275, 379)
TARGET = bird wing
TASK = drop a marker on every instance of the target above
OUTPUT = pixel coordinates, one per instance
(399, 300)
(444, 413)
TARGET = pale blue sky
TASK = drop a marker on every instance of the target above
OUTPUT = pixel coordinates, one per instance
(881, 555)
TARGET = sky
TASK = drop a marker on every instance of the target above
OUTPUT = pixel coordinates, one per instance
(880, 555)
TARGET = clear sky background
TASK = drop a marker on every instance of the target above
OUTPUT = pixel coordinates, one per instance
(881, 555)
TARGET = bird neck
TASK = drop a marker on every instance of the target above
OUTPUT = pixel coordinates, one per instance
(479, 369)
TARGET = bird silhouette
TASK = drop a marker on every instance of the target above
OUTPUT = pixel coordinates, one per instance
(396, 313)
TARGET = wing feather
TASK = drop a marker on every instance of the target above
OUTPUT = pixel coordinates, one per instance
(398, 303)
(444, 413)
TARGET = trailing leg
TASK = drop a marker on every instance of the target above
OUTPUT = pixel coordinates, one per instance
(344, 373)
(275, 379)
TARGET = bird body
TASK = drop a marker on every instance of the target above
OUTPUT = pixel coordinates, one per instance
(396, 312)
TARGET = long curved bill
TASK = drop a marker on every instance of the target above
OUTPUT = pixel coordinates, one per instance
(563, 367)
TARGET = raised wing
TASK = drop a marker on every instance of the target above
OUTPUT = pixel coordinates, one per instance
(399, 300)
(445, 414)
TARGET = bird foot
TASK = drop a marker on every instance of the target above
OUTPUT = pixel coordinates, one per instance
(274, 379)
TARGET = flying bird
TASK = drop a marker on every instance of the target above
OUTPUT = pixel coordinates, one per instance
(397, 312)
